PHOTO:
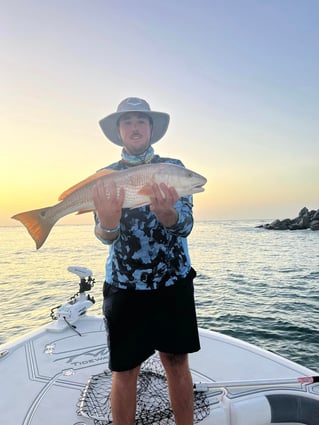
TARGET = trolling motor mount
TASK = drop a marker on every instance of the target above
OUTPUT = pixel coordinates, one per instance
(69, 312)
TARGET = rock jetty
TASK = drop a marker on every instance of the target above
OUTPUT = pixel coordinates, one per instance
(306, 220)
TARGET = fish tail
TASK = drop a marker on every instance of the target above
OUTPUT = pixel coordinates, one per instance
(38, 223)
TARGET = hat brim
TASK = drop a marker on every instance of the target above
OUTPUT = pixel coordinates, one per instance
(110, 129)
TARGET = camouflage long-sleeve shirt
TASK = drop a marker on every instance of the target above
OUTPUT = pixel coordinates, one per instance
(146, 255)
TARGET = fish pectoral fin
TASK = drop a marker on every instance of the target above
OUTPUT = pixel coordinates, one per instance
(146, 190)
(92, 178)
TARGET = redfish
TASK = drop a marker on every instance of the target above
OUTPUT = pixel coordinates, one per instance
(136, 181)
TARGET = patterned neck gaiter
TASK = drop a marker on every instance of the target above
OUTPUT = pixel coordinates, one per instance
(144, 158)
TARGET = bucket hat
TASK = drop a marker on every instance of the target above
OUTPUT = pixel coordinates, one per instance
(109, 124)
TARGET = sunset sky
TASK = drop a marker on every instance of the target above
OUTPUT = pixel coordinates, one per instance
(239, 78)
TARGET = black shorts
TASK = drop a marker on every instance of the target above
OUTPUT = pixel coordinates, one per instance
(140, 322)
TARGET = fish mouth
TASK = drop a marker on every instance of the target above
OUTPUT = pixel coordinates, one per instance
(198, 188)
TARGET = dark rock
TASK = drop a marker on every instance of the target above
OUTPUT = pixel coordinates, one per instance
(315, 215)
(304, 211)
(314, 225)
(306, 220)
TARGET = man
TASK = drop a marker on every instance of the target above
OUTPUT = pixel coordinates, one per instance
(148, 291)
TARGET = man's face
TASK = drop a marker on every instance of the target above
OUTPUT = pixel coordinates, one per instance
(135, 131)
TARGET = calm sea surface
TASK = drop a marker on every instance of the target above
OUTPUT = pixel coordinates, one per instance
(258, 285)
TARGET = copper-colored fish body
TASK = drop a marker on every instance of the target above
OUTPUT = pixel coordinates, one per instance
(136, 182)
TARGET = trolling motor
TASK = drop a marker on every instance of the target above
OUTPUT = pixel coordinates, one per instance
(85, 275)
(68, 313)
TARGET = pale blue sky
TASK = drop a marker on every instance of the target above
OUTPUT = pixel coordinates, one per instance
(238, 77)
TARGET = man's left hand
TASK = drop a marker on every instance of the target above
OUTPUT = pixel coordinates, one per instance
(162, 204)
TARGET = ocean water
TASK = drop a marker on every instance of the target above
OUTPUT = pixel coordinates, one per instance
(258, 285)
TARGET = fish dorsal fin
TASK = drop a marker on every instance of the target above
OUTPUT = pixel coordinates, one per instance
(90, 179)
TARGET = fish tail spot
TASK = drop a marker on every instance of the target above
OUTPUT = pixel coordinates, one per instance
(37, 224)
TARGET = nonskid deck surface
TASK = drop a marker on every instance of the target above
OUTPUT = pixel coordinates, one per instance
(44, 377)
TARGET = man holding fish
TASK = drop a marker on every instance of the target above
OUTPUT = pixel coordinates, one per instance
(148, 292)
(143, 212)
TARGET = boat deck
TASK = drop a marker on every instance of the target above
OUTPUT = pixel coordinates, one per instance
(43, 376)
